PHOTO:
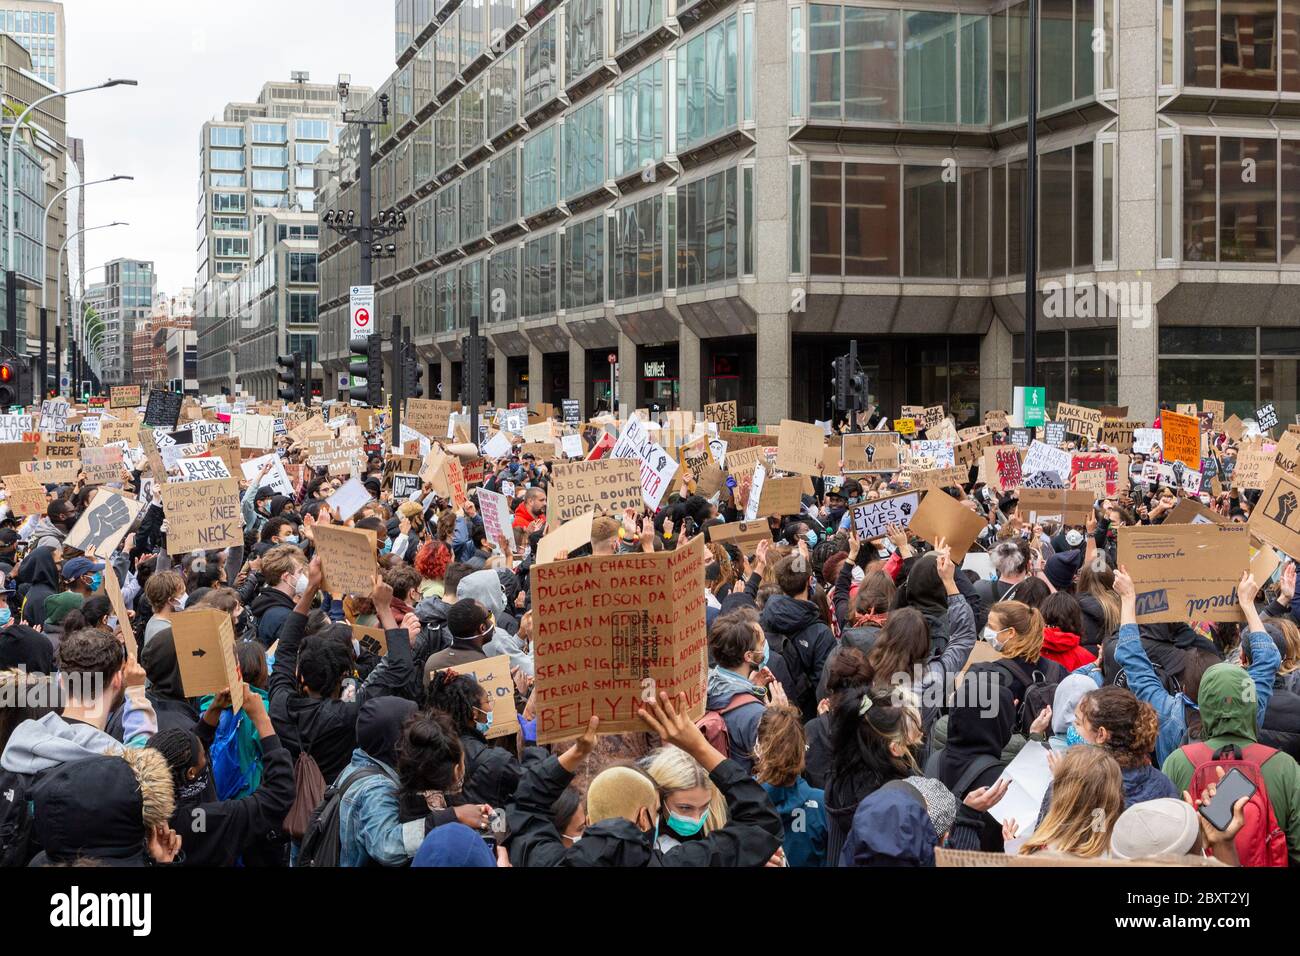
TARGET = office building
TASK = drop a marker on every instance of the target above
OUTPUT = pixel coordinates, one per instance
(258, 161)
(129, 289)
(718, 196)
(39, 27)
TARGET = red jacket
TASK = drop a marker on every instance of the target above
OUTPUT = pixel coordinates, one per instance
(524, 517)
(1063, 647)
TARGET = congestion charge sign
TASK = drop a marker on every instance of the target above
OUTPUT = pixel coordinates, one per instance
(361, 300)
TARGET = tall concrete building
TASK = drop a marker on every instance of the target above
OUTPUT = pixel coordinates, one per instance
(40, 28)
(258, 164)
(720, 195)
(129, 289)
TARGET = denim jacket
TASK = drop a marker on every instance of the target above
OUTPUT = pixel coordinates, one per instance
(369, 829)
(1142, 680)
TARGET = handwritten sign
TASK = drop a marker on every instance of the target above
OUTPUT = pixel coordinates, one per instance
(347, 559)
(124, 396)
(1181, 438)
(612, 631)
(872, 518)
(722, 414)
(610, 485)
(870, 453)
(164, 409)
(25, 495)
(202, 515)
(799, 448)
(101, 465)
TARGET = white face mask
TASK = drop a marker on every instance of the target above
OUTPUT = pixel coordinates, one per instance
(991, 636)
(858, 574)
(300, 584)
(1074, 537)
(181, 601)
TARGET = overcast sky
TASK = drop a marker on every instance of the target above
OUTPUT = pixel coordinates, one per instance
(191, 59)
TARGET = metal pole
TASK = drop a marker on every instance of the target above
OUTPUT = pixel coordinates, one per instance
(58, 359)
(306, 379)
(1031, 206)
(367, 237)
(396, 392)
(43, 359)
(474, 383)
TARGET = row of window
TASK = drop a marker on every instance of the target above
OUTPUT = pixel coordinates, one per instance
(935, 67)
(272, 133)
(877, 219)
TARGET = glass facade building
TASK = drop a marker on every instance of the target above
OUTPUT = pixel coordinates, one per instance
(620, 184)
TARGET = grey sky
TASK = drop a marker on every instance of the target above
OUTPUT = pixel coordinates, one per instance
(191, 59)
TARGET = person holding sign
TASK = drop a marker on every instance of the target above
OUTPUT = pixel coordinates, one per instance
(306, 687)
(491, 773)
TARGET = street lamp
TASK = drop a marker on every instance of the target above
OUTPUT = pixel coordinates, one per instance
(58, 302)
(58, 327)
(11, 291)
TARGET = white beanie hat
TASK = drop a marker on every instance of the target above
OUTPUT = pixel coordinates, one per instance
(1164, 827)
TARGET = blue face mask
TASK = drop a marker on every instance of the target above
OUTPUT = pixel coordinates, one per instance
(812, 537)
(684, 826)
(1073, 737)
(96, 580)
(290, 539)
(5, 615)
(767, 654)
(484, 726)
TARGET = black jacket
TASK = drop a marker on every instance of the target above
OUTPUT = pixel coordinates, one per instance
(811, 642)
(752, 834)
(1281, 728)
(491, 773)
(218, 832)
(271, 607)
(326, 728)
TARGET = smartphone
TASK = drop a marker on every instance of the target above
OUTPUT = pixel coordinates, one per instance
(1230, 789)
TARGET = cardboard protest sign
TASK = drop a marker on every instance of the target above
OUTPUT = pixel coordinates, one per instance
(611, 485)
(430, 417)
(253, 431)
(611, 631)
(781, 496)
(940, 516)
(952, 476)
(14, 453)
(1002, 468)
(52, 471)
(1190, 511)
(25, 495)
(202, 515)
(227, 449)
(164, 409)
(14, 427)
(799, 448)
(205, 653)
(1287, 453)
(1019, 437)
(569, 536)
(1266, 417)
(1079, 420)
(937, 451)
(1148, 441)
(871, 518)
(1046, 459)
(1114, 467)
(996, 420)
(657, 467)
(1185, 572)
(722, 414)
(869, 453)
(1276, 519)
(1254, 467)
(202, 469)
(54, 416)
(1216, 412)
(404, 486)
(756, 480)
(101, 465)
(372, 639)
(493, 675)
(104, 523)
(1181, 438)
(124, 396)
(347, 557)
(905, 426)
(968, 452)
(1093, 482)
(1118, 433)
(1054, 433)
(114, 592)
(116, 431)
(1056, 504)
(1234, 427)
(743, 534)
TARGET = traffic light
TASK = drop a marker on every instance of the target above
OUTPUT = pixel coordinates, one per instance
(859, 389)
(10, 383)
(840, 382)
(288, 376)
(413, 374)
(367, 363)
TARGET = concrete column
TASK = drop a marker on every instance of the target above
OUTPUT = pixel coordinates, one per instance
(1136, 168)
(628, 374)
(995, 368)
(535, 382)
(447, 394)
(771, 293)
(688, 362)
(501, 389)
(578, 374)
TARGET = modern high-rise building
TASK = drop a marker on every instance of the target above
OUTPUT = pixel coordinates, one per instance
(39, 27)
(258, 160)
(721, 195)
(130, 287)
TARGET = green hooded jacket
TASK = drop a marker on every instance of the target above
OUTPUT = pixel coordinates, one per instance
(1227, 703)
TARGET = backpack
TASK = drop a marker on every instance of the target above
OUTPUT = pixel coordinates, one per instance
(973, 771)
(801, 693)
(714, 727)
(1262, 841)
(322, 844)
(1038, 694)
(16, 845)
(308, 791)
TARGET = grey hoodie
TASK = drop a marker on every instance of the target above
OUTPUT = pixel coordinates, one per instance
(45, 534)
(485, 587)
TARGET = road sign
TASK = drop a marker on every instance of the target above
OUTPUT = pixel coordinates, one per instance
(343, 379)
(362, 306)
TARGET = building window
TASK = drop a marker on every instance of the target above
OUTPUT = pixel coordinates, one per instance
(584, 42)
(226, 159)
(636, 255)
(270, 179)
(472, 211)
(503, 93)
(584, 149)
(272, 133)
(930, 223)
(312, 129)
(1233, 217)
(538, 274)
(706, 230)
(229, 202)
(302, 307)
(503, 189)
(541, 82)
(226, 136)
(270, 156)
(503, 283)
(635, 18)
(637, 121)
(473, 122)
(583, 255)
(706, 84)
(227, 180)
(302, 267)
(1080, 367)
(539, 166)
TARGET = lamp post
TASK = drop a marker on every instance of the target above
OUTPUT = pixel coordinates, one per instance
(44, 281)
(58, 301)
(11, 290)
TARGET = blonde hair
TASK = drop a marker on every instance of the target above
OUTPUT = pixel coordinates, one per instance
(1027, 622)
(673, 769)
(1087, 799)
(1291, 635)
(157, 791)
